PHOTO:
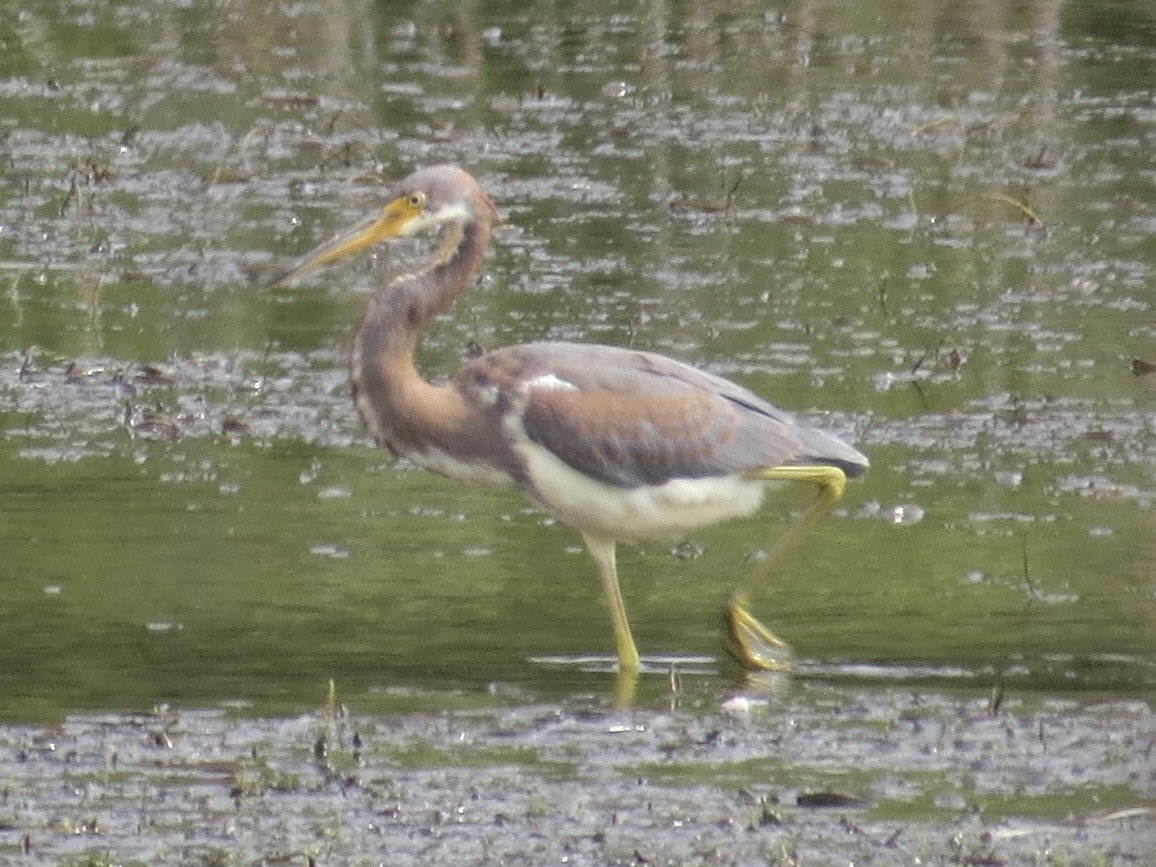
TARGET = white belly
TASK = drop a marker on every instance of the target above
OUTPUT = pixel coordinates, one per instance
(647, 512)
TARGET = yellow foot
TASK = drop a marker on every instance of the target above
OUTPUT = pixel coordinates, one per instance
(752, 645)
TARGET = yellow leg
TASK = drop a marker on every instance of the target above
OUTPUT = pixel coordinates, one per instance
(753, 645)
(602, 550)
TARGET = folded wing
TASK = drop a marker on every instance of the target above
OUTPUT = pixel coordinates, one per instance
(631, 418)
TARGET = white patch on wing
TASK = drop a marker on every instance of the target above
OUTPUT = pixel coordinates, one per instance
(644, 512)
(550, 382)
(487, 394)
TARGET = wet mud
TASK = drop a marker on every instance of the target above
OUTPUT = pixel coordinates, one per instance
(813, 776)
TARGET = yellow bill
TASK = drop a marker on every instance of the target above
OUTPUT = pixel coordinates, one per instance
(399, 218)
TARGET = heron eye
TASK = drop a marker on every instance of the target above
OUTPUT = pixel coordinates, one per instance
(417, 201)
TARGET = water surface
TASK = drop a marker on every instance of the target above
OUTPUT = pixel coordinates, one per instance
(936, 240)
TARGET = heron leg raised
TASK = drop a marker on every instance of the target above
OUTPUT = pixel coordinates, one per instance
(602, 550)
(754, 646)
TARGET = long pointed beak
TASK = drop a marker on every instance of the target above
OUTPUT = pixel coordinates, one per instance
(398, 218)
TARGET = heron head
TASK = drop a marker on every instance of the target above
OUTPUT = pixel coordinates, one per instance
(427, 199)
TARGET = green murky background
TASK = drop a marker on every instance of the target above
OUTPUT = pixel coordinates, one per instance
(829, 208)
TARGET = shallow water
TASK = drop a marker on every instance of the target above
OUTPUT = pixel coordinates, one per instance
(937, 241)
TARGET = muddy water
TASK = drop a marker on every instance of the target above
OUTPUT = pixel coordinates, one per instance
(936, 780)
(940, 246)
(938, 241)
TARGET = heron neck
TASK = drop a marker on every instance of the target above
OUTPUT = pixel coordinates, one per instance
(411, 299)
(383, 369)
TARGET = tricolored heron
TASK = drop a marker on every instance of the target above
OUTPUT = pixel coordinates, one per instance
(620, 444)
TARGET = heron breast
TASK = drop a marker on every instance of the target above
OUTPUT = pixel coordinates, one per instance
(438, 461)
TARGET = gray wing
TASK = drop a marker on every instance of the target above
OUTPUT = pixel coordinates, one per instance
(633, 418)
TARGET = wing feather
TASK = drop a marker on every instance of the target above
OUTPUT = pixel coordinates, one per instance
(633, 418)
